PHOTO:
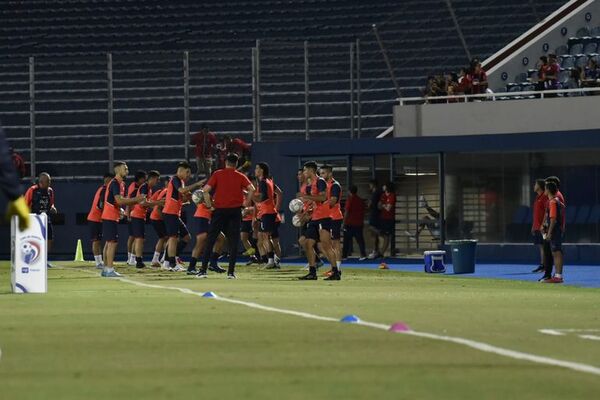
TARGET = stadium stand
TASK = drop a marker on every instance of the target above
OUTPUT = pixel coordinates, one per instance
(70, 40)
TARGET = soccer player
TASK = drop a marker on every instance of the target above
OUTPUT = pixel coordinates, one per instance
(539, 209)
(202, 218)
(205, 142)
(174, 199)
(275, 243)
(158, 199)
(319, 227)
(334, 193)
(139, 179)
(353, 223)
(112, 212)
(229, 186)
(94, 219)
(387, 216)
(138, 216)
(555, 217)
(548, 259)
(374, 217)
(40, 199)
(10, 186)
(305, 217)
(248, 216)
(264, 198)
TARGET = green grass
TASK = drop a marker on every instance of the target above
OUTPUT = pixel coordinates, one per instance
(93, 338)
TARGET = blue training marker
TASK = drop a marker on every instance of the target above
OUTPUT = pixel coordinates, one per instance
(350, 319)
(209, 294)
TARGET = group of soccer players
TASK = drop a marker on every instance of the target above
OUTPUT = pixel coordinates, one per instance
(229, 208)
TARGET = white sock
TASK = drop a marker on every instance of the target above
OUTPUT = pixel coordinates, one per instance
(277, 259)
(271, 261)
(558, 275)
(109, 269)
(98, 260)
(129, 255)
(156, 257)
(339, 264)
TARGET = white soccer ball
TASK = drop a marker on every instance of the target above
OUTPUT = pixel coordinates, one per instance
(198, 196)
(296, 221)
(296, 205)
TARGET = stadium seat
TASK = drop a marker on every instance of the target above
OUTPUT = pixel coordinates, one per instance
(590, 48)
(576, 49)
(581, 61)
(567, 62)
(562, 50)
(584, 31)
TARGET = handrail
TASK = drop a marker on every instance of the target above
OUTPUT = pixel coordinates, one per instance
(494, 96)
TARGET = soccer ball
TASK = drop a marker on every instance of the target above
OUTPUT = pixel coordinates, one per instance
(296, 205)
(198, 196)
(296, 221)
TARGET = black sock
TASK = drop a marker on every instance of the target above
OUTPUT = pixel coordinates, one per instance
(172, 261)
(214, 257)
(312, 270)
(192, 265)
(180, 246)
(231, 270)
(271, 254)
(139, 260)
(335, 270)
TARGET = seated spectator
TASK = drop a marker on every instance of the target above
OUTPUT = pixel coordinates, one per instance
(551, 72)
(590, 76)
(464, 82)
(573, 82)
(18, 162)
(479, 82)
(451, 87)
(435, 88)
(541, 67)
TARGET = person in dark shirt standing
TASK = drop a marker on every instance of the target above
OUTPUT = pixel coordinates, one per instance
(229, 186)
(354, 216)
(40, 199)
(94, 220)
(539, 209)
(374, 217)
(554, 229)
(10, 186)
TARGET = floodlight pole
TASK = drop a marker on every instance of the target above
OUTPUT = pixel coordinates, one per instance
(111, 128)
(358, 91)
(306, 94)
(186, 104)
(351, 90)
(32, 116)
(387, 61)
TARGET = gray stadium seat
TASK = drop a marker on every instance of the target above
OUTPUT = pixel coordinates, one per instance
(575, 49)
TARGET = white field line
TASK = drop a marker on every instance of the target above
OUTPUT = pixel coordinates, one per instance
(487, 348)
(590, 337)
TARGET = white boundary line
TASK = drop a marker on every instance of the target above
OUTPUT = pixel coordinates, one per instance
(487, 348)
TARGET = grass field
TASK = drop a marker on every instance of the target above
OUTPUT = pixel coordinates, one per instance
(94, 338)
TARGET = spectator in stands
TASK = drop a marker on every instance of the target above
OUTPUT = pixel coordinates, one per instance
(590, 76)
(205, 143)
(435, 87)
(18, 162)
(354, 217)
(464, 82)
(541, 67)
(236, 146)
(479, 82)
(452, 86)
(573, 81)
(551, 73)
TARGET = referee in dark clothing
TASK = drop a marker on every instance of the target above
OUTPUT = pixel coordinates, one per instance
(229, 187)
(11, 187)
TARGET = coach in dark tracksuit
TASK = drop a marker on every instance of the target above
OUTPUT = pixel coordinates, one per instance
(10, 186)
(229, 187)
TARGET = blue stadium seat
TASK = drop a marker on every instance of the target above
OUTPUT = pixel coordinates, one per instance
(576, 49)
(595, 31)
(583, 31)
(583, 215)
(581, 61)
(590, 48)
(567, 62)
(562, 50)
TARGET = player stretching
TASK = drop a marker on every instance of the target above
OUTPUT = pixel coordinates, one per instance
(139, 214)
(334, 193)
(175, 227)
(319, 228)
(94, 219)
(114, 198)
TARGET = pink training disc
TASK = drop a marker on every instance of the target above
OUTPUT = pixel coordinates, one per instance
(399, 327)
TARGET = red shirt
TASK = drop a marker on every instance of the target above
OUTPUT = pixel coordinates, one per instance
(39, 200)
(266, 204)
(321, 209)
(19, 164)
(334, 189)
(355, 211)
(111, 210)
(228, 185)
(205, 144)
(155, 215)
(202, 211)
(556, 210)
(95, 214)
(250, 216)
(387, 199)
(539, 210)
(477, 79)
(174, 199)
(138, 210)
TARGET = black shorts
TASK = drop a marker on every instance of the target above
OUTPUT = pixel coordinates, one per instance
(556, 241)
(336, 229)
(374, 221)
(246, 227)
(50, 230)
(267, 223)
(303, 229)
(95, 231)
(110, 230)
(175, 226)
(159, 228)
(137, 228)
(387, 226)
(201, 225)
(314, 228)
(537, 238)
(129, 227)
(275, 233)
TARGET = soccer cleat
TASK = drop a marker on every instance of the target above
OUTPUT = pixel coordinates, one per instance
(193, 271)
(165, 266)
(554, 279)
(231, 276)
(217, 269)
(99, 266)
(178, 260)
(110, 274)
(201, 275)
(130, 262)
(155, 264)
(140, 265)
(253, 260)
(544, 278)
(249, 252)
(178, 268)
(362, 258)
(272, 266)
(374, 255)
(49, 265)
(308, 277)
(540, 268)
(328, 273)
(335, 276)
(383, 266)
